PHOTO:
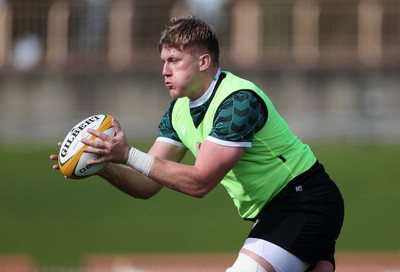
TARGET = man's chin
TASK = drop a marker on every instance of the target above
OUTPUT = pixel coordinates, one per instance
(174, 94)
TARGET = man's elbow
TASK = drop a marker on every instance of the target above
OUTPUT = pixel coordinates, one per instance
(202, 191)
(144, 194)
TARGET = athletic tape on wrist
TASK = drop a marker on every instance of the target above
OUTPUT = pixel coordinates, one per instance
(140, 161)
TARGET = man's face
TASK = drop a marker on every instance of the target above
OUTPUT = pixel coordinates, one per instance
(181, 71)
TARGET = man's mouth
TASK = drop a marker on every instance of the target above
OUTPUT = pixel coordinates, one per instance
(168, 84)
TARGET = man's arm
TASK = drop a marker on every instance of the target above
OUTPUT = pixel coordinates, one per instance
(135, 183)
(213, 162)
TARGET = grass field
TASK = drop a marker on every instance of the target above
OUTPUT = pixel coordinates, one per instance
(58, 221)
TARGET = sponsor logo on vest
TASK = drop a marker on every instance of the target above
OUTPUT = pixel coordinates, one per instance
(183, 129)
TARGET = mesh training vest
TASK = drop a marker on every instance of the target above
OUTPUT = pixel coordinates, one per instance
(275, 158)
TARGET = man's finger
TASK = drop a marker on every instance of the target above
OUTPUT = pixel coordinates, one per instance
(116, 125)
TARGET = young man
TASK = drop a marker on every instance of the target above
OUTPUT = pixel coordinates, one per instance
(240, 141)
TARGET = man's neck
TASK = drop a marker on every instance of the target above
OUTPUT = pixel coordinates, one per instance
(208, 90)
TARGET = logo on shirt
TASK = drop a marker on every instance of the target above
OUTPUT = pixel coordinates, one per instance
(299, 188)
(183, 130)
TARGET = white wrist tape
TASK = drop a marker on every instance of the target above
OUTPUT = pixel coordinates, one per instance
(140, 161)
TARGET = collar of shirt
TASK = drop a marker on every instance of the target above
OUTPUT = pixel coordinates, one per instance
(202, 99)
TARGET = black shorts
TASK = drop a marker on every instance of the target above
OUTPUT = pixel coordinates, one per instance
(305, 218)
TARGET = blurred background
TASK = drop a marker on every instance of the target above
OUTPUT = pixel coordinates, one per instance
(330, 66)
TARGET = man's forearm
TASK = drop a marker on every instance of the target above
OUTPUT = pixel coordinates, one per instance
(130, 181)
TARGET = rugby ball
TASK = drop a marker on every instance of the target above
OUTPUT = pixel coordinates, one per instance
(71, 159)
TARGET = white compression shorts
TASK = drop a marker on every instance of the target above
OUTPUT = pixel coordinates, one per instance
(279, 258)
(245, 263)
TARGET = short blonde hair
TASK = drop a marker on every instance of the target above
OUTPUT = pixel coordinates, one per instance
(185, 32)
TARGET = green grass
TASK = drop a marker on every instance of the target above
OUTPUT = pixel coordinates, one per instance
(370, 184)
(58, 221)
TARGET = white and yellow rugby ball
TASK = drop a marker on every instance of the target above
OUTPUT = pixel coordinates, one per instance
(71, 159)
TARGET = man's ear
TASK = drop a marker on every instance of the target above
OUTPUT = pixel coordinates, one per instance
(204, 61)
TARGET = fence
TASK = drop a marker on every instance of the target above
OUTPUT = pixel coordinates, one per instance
(118, 35)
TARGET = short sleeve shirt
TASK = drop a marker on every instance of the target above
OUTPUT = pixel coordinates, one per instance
(238, 118)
